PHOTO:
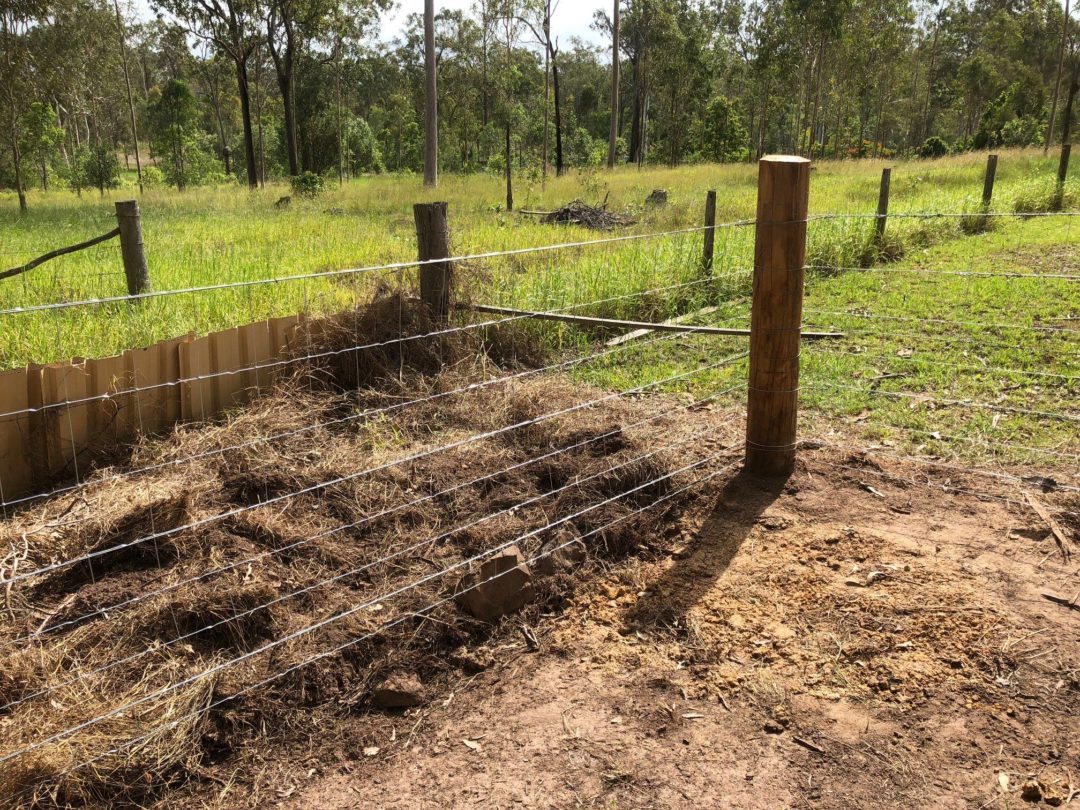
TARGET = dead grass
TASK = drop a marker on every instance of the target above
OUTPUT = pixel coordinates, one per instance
(85, 641)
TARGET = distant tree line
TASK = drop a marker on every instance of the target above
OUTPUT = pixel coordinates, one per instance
(248, 90)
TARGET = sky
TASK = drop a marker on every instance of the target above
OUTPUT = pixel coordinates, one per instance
(571, 18)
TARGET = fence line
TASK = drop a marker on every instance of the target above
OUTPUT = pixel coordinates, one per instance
(396, 554)
(356, 524)
(774, 354)
(348, 612)
(154, 536)
(389, 625)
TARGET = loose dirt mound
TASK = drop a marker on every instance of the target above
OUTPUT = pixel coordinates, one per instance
(183, 637)
(813, 645)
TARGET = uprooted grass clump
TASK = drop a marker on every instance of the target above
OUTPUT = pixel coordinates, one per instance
(232, 576)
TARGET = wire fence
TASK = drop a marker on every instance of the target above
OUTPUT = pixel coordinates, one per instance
(402, 490)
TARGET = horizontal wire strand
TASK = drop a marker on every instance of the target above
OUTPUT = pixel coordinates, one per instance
(386, 626)
(55, 566)
(396, 554)
(344, 614)
(344, 527)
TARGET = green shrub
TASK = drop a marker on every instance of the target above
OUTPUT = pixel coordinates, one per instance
(933, 147)
(308, 185)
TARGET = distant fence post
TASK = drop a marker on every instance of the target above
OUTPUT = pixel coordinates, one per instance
(883, 202)
(1062, 174)
(433, 242)
(988, 181)
(776, 314)
(710, 233)
(131, 247)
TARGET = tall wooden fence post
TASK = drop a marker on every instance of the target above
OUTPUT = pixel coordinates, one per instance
(131, 247)
(776, 314)
(433, 242)
(988, 181)
(710, 233)
(883, 202)
(1062, 174)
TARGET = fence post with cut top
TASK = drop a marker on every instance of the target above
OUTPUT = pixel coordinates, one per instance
(710, 233)
(131, 247)
(883, 202)
(433, 242)
(776, 314)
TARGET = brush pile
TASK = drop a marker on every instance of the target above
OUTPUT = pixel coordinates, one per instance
(579, 212)
(247, 575)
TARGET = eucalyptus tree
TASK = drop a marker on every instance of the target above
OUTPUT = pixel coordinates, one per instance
(234, 27)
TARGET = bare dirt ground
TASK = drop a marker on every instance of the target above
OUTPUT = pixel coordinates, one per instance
(845, 640)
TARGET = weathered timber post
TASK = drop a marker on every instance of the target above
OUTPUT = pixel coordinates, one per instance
(1062, 174)
(883, 202)
(710, 233)
(131, 247)
(988, 181)
(433, 242)
(776, 314)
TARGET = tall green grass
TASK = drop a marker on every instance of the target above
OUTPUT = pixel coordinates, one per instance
(219, 235)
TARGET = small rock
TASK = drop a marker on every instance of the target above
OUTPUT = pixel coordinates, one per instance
(399, 691)
(772, 727)
(502, 585)
(1051, 796)
(854, 583)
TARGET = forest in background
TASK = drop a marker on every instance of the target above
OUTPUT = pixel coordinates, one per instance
(251, 90)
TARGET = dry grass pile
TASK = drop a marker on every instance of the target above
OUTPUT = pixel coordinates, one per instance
(595, 217)
(257, 541)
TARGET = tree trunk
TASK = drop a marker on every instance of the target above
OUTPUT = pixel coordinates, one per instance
(509, 170)
(1057, 81)
(431, 114)
(16, 155)
(245, 116)
(259, 116)
(560, 166)
(613, 130)
(544, 162)
(130, 100)
(1066, 124)
(635, 113)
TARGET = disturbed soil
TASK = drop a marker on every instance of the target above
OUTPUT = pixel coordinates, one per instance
(860, 636)
(868, 632)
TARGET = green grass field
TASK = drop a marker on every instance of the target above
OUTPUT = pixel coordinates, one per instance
(220, 235)
(935, 362)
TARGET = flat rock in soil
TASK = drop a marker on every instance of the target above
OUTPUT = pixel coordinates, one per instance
(399, 691)
(502, 585)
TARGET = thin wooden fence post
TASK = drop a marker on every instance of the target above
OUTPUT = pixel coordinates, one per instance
(131, 247)
(433, 242)
(1062, 174)
(988, 181)
(883, 202)
(710, 233)
(776, 314)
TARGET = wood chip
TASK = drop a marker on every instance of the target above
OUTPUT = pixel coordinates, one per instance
(1048, 519)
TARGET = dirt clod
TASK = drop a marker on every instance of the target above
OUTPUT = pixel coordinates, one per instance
(502, 585)
(399, 691)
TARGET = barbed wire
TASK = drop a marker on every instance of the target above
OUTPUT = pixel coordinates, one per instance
(929, 271)
(328, 353)
(945, 364)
